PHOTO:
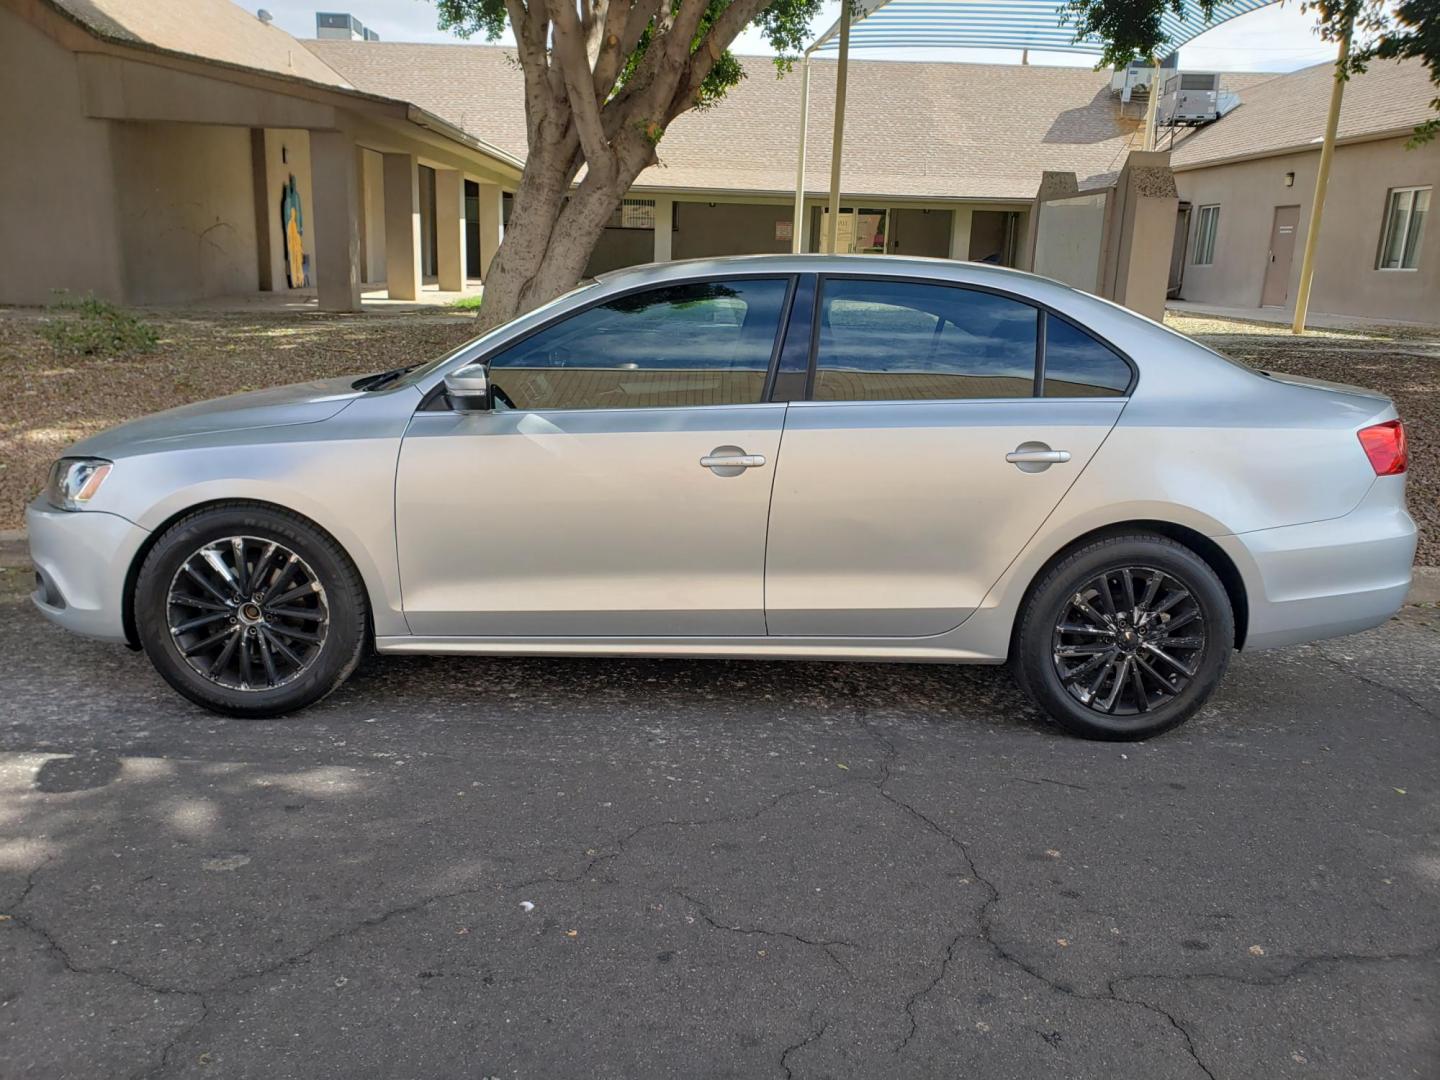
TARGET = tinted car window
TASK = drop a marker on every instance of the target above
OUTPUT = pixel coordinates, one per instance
(896, 340)
(705, 343)
(1076, 365)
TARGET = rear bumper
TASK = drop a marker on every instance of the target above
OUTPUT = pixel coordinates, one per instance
(81, 561)
(1327, 578)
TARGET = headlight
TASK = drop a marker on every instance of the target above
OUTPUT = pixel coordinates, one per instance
(74, 482)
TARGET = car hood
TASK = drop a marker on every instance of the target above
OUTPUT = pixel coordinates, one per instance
(300, 403)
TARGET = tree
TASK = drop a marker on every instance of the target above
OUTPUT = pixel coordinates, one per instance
(1130, 31)
(603, 81)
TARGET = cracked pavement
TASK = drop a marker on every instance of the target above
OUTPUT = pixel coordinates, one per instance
(551, 868)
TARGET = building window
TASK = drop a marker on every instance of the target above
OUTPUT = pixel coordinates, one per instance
(1206, 221)
(633, 214)
(1405, 213)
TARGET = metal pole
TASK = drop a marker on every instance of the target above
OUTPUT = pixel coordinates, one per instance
(1153, 108)
(838, 142)
(1322, 180)
(797, 227)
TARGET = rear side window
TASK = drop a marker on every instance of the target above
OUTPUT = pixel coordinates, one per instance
(703, 343)
(1077, 365)
(902, 341)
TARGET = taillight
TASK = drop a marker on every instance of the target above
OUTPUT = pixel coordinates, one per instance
(1385, 447)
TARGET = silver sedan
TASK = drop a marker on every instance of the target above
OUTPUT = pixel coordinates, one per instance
(808, 457)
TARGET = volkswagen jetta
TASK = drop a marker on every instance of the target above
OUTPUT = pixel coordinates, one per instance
(809, 457)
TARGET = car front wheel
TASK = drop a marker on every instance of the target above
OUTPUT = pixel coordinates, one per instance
(1124, 638)
(250, 610)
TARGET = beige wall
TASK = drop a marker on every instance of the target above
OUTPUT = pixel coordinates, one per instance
(57, 209)
(1070, 239)
(619, 248)
(187, 211)
(1346, 279)
(727, 229)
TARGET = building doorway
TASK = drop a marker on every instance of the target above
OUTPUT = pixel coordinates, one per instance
(862, 230)
(1282, 252)
(472, 229)
(993, 236)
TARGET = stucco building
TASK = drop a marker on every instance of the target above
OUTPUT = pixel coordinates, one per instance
(163, 151)
(1247, 183)
(158, 151)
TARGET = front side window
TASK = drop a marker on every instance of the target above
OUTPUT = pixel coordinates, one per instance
(1207, 221)
(901, 341)
(700, 343)
(1405, 213)
(1078, 365)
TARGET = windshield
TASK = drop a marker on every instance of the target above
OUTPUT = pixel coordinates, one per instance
(408, 376)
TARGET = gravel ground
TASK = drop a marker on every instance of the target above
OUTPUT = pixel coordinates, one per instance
(48, 401)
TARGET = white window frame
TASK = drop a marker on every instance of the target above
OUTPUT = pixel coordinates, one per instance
(1392, 198)
(633, 214)
(1207, 228)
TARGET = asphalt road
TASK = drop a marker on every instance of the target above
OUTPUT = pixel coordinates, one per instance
(497, 868)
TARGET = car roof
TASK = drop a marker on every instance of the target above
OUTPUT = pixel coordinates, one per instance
(892, 265)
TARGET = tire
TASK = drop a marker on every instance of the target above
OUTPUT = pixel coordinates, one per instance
(1069, 656)
(295, 634)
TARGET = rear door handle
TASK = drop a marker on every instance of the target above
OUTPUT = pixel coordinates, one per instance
(1038, 457)
(734, 461)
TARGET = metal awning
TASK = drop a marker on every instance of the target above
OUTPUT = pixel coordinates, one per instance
(1000, 24)
(1023, 24)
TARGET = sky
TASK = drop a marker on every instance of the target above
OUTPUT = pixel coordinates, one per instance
(1275, 38)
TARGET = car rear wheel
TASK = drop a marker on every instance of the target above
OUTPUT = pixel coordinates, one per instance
(1124, 638)
(250, 610)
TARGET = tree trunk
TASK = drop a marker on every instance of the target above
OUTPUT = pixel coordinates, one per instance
(550, 237)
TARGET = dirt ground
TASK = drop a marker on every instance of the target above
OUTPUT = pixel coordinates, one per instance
(48, 401)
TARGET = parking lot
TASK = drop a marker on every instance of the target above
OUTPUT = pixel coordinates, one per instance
(487, 867)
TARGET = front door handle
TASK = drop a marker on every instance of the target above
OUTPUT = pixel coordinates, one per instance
(1035, 457)
(1038, 457)
(730, 461)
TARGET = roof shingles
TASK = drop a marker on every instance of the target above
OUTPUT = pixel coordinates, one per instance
(913, 130)
(1288, 113)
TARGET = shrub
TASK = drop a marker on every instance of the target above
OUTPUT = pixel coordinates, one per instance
(89, 326)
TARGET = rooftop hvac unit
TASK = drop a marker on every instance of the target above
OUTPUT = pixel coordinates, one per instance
(1193, 98)
(1134, 80)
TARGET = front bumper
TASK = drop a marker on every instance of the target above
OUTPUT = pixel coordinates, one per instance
(81, 561)
(1327, 578)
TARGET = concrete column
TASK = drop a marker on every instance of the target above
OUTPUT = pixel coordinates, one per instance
(664, 227)
(402, 227)
(491, 225)
(336, 191)
(960, 232)
(450, 229)
(260, 182)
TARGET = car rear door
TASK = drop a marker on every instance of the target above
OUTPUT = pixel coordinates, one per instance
(621, 485)
(931, 447)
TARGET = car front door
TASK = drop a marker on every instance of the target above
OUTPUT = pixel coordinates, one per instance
(621, 484)
(931, 448)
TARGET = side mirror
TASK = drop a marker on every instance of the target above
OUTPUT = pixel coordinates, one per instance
(468, 389)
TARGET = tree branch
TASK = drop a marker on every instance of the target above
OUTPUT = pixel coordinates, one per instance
(579, 82)
(717, 39)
